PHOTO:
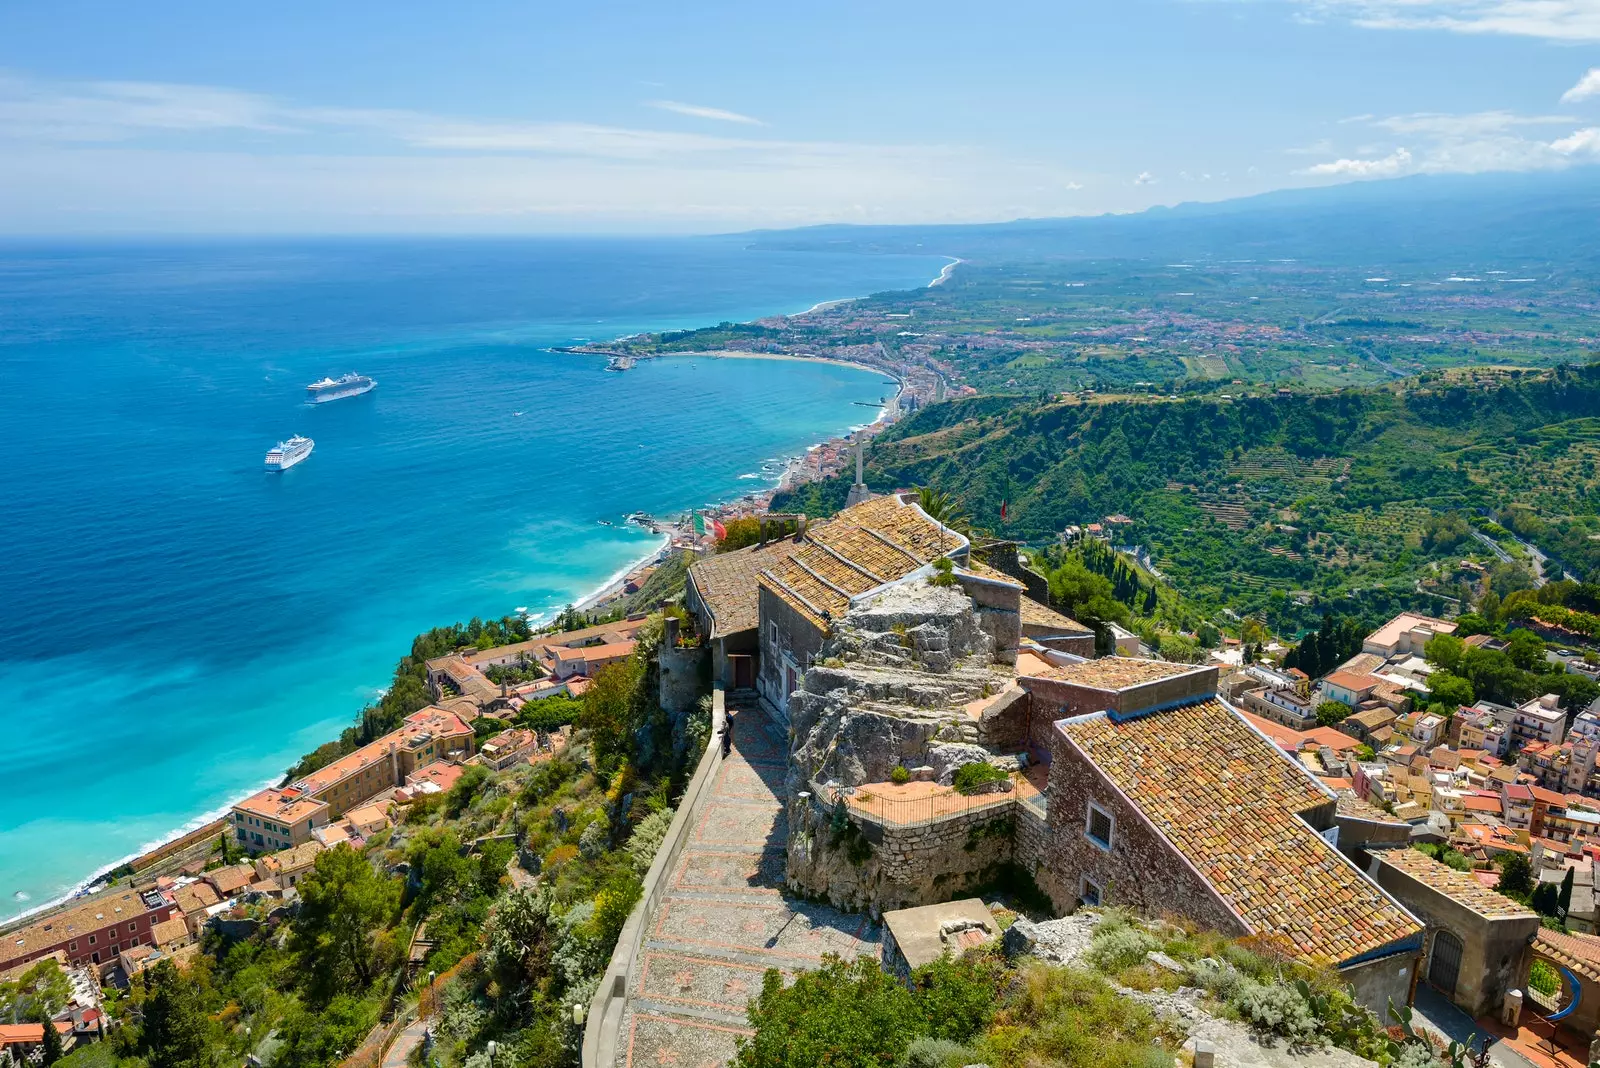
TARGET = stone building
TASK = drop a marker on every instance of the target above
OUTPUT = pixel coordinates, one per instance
(723, 598)
(1477, 938)
(862, 550)
(1172, 803)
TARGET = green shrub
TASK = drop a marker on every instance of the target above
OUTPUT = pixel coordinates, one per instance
(1276, 1009)
(970, 778)
(1071, 1018)
(1119, 947)
(900, 774)
(928, 1052)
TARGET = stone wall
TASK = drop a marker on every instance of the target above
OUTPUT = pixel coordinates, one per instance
(1033, 836)
(872, 864)
(1003, 727)
(1140, 870)
(789, 642)
(1492, 948)
(682, 676)
(998, 606)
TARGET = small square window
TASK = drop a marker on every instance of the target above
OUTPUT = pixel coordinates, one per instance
(132, 927)
(73, 948)
(1090, 892)
(1099, 827)
(91, 939)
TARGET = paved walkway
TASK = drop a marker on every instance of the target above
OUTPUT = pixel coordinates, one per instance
(406, 1041)
(725, 920)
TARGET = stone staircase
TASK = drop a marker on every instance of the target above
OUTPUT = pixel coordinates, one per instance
(724, 919)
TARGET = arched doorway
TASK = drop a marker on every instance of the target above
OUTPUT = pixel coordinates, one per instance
(1444, 964)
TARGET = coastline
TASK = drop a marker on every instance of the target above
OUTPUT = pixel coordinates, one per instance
(604, 591)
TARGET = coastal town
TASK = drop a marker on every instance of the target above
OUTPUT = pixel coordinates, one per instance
(908, 712)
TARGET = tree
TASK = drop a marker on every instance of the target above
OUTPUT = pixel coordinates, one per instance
(1564, 897)
(1085, 596)
(738, 534)
(1444, 651)
(1516, 875)
(42, 989)
(173, 1033)
(1526, 650)
(51, 1046)
(1450, 690)
(344, 903)
(1545, 899)
(844, 1015)
(942, 508)
(608, 709)
(1331, 713)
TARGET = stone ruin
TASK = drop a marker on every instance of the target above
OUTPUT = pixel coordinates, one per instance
(897, 684)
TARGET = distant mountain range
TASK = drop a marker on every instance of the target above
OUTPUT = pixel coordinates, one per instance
(1547, 217)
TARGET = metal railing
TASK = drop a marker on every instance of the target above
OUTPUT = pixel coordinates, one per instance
(878, 806)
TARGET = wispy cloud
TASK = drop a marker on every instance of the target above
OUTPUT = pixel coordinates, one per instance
(1588, 86)
(86, 154)
(699, 112)
(1560, 20)
(1145, 178)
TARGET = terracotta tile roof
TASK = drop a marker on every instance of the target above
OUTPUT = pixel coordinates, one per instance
(281, 806)
(1549, 797)
(1459, 886)
(228, 880)
(429, 724)
(726, 584)
(1355, 808)
(858, 550)
(167, 932)
(1473, 803)
(1286, 738)
(1035, 614)
(1230, 802)
(1352, 680)
(1336, 740)
(1118, 672)
(196, 897)
(1580, 952)
(95, 913)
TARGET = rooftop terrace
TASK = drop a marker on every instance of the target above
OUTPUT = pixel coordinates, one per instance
(1459, 886)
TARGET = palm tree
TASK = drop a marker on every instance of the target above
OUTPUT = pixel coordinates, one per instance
(942, 508)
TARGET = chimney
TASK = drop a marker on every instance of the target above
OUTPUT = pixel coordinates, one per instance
(670, 637)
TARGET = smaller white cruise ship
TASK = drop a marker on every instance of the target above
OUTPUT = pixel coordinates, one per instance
(332, 389)
(285, 454)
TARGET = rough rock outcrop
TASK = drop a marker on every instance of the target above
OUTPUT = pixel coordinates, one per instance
(890, 688)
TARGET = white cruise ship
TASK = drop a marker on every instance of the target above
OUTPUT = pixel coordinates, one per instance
(285, 454)
(332, 389)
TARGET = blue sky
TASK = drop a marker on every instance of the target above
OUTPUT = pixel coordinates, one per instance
(692, 117)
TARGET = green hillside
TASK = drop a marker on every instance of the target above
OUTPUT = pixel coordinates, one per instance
(1266, 503)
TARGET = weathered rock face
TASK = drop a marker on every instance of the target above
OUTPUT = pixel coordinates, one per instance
(889, 689)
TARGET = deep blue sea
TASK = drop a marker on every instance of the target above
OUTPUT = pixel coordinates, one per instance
(177, 625)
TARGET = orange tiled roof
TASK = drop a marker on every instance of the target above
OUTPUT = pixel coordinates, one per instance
(858, 550)
(1230, 802)
(726, 583)
(1459, 886)
(1580, 952)
(1119, 672)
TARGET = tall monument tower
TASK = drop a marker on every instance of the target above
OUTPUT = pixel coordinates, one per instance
(859, 491)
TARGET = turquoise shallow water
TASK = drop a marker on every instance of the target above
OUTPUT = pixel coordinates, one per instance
(177, 626)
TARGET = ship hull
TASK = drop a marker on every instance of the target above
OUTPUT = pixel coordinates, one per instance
(327, 395)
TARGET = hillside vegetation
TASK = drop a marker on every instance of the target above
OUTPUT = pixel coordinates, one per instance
(1261, 502)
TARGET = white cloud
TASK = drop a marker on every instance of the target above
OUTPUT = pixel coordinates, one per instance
(1561, 20)
(1397, 162)
(698, 112)
(1588, 85)
(1145, 178)
(1470, 143)
(1581, 142)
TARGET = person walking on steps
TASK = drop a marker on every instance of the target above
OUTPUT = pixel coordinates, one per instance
(727, 737)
